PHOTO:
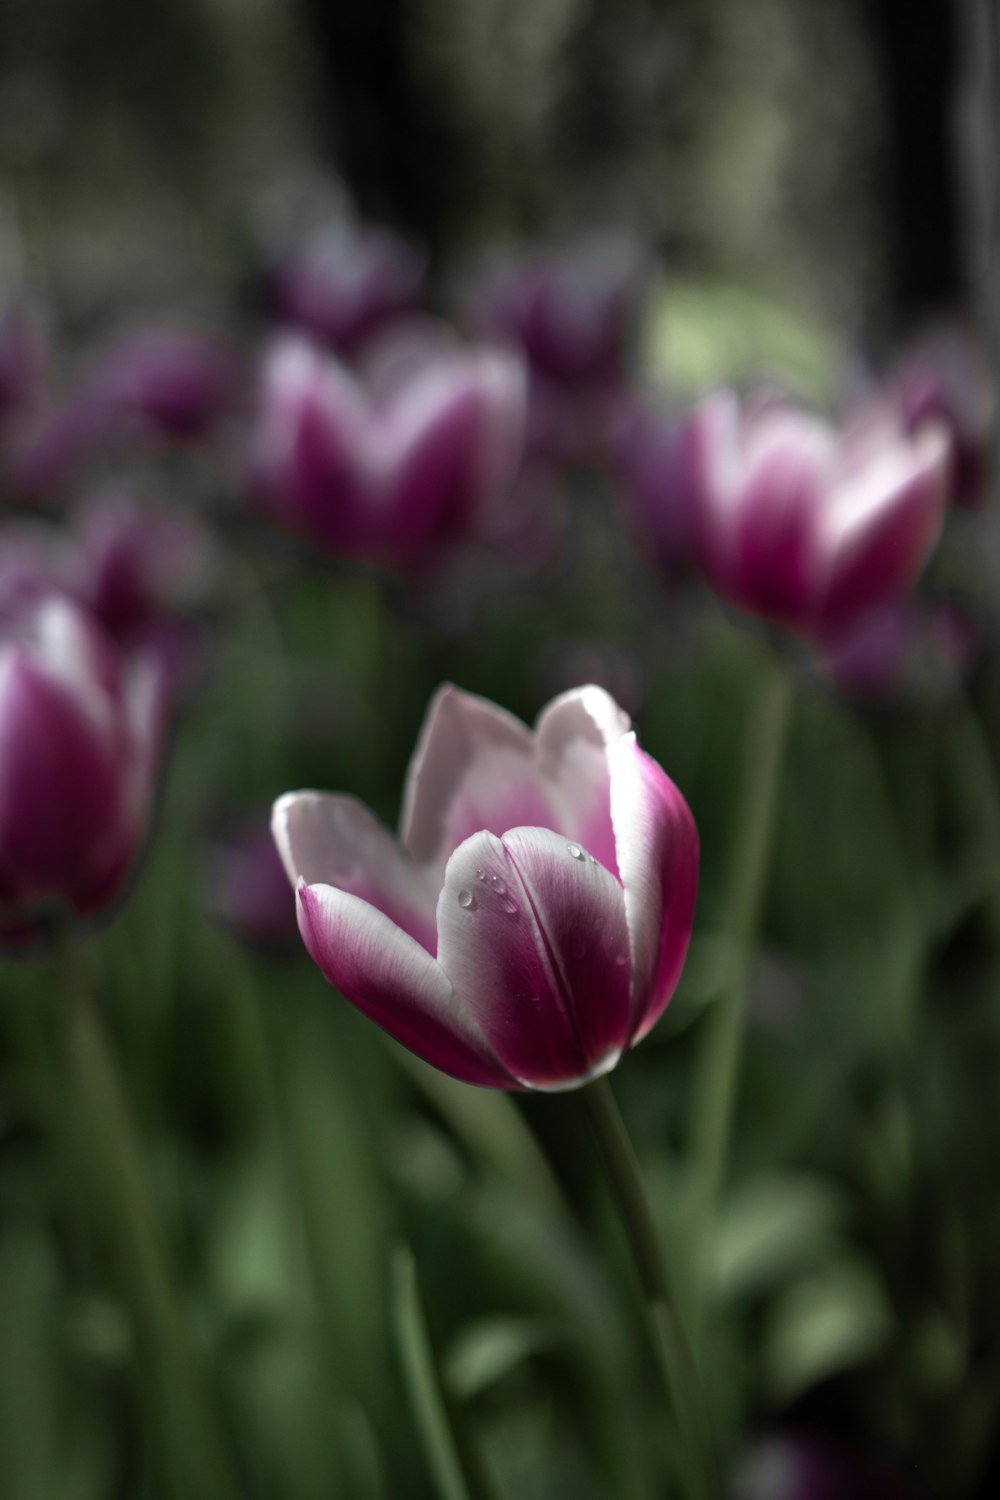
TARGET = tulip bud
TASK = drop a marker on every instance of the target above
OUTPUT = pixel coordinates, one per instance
(387, 479)
(807, 526)
(343, 285)
(80, 733)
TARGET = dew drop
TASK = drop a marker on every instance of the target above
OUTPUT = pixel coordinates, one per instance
(480, 873)
(574, 851)
(621, 959)
(466, 900)
(510, 908)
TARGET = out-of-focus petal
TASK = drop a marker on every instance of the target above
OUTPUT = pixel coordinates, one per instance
(532, 935)
(474, 768)
(394, 980)
(881, 524)
(325, 839)
(776, 567)
(657, 845)
(574, 734)
(59, 782)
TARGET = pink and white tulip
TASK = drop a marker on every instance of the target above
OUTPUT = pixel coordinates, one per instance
(532, 922)
(808, 526)
(386, 476)
(80, 735)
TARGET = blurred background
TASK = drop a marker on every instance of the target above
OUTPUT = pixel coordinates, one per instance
(777, 191)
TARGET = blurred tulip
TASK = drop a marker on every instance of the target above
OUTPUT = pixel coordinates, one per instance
(137, 568)
(344, 284)
(807, 1466)
(806, 526)
(386, 480)
(570, 313)
(80, 734)
(133, 567)
(169, 383)
(173, 381)
(247, 888)
(945, 378)
(534, 923)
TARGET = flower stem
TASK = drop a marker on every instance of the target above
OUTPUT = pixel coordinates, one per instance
(680, 1374)
(718, 1078)
(450, 1478)
(192, 1449)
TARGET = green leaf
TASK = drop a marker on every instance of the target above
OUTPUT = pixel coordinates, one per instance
(770, 1227)
(829, 1322)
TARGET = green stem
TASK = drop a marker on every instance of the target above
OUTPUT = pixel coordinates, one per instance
(718, 1078)
(680, 1374)
(192, 1448)
(416, 1355)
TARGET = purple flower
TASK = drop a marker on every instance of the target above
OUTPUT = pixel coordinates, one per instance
(132, 567)
(172, 381)
(385, 476)
(808, 526)
(343, 285)
(570, 313)
(534, 921)
(80, 734)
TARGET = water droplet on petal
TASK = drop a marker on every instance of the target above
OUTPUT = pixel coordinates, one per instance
(621, 959)
(466, 900)
(574, 851)
(480, 873)
(510, 908)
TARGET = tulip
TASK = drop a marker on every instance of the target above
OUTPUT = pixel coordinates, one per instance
(386, 476)
(80, 732)
(534, 921)
(570, 313)
(172, 381)
(161, 382)
(341, 286)
(806, 526)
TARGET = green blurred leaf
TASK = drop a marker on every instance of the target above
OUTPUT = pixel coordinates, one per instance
(770, 1226)
(487, 1350)
(831, 1321)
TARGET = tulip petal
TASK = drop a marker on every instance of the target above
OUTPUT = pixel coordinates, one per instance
(59, 783)
(532, 935)
(474, 768)
(332, 840)
(657, 845)
(395, 981)
(789, 459)
(883, 523)
(574, 734)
